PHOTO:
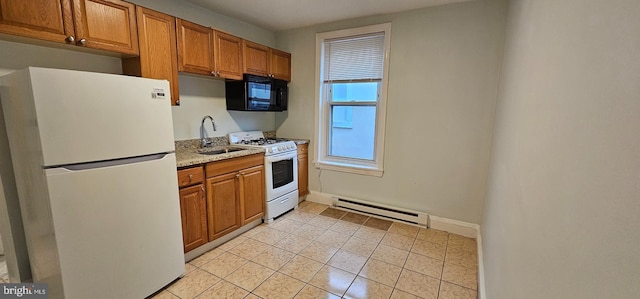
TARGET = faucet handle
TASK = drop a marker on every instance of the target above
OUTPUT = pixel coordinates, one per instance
(206, 142)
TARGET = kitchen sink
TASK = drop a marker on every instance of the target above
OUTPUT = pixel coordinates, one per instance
(219, 151)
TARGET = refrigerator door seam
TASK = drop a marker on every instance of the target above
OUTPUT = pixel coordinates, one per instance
(110, 163)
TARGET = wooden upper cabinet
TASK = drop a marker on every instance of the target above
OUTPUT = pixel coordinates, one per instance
(255, 58)
(195, 48)
(157, 60)
(106, 25)
(228, 55)
(204, 51)
(280, 64)
(50, 20)
(100, 24)
(263, 61)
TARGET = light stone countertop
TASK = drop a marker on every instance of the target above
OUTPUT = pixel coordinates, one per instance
(187, 150)
(190, 156)
(299, 141)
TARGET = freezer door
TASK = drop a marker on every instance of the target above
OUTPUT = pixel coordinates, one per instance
(83, 116)
(117, 229)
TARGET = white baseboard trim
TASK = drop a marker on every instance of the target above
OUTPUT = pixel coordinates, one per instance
(462, 228)
(319, 197)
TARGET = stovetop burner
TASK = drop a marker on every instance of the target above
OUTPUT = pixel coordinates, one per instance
(262, 141)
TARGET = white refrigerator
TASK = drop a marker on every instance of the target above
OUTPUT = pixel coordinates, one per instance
(95, 169)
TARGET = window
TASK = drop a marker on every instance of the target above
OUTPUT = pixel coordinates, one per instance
(351, 85)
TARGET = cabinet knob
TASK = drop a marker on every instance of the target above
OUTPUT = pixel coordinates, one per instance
(70, 39)
(218, 74)
(190, 178)
(238, 175)
(213, 73)
(82, 41)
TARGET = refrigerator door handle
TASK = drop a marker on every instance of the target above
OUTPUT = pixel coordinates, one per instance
(109, 163)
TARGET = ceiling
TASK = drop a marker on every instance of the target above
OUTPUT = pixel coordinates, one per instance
(288, 14)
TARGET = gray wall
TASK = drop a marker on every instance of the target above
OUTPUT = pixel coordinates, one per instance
(561, 214)
(443, 77)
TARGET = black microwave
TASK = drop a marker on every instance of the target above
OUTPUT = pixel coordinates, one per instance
(256, 93)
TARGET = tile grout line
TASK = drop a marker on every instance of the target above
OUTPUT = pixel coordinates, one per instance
(286, 234)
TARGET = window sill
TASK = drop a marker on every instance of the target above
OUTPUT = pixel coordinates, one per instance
(349, 168)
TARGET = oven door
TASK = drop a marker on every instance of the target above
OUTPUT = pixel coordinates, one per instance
(281, 174)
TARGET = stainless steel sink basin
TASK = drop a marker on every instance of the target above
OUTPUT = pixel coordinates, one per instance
(219, 151)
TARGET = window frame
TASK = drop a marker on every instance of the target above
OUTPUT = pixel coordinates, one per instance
(323, 122)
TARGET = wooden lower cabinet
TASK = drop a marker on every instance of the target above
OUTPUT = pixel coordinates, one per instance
(303, 169)
(235, 193)
(252, 198)
(223, 205)
(193, 207)
(193, 212)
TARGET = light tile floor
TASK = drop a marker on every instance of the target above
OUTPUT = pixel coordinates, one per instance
(321, 252)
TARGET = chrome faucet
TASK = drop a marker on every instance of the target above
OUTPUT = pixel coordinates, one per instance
(203, 132)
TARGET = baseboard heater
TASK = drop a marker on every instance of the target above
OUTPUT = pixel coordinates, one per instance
(381, 211)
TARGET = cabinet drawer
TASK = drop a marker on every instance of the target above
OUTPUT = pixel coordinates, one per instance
(235, 164)
(190, 176)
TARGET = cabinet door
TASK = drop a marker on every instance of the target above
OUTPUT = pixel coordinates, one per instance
(280, 65)
(252, 193)
(195, 48)
(157, 34)
(303, 174)
(228, 55)
(42, 19)
(255, 58)
(223, 205)
(193, 210)
(106, 25)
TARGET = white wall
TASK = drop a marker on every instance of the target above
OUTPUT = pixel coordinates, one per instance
(204, 96)
(15, 56)
(443, 77)
(561, 214)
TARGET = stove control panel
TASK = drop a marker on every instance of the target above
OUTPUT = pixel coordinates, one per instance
(281, 147)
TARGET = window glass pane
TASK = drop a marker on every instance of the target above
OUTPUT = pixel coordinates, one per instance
(354, 92)
(342, 117)
(356, 141)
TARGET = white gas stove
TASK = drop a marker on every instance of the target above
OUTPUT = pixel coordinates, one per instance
(272, 146)
(280, 167)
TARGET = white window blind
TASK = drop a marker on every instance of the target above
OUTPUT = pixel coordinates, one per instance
(354, 58)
